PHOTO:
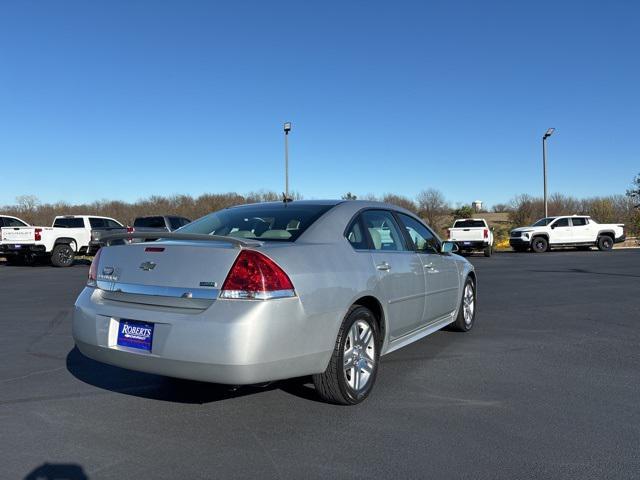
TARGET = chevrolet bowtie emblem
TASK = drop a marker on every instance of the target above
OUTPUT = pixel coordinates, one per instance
(146, 266)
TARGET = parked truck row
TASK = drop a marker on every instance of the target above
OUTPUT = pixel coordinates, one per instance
(70, 236)
(73, 235)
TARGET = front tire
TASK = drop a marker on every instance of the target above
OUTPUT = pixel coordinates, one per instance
(467, 311)
(539, 244)
(62, 255)
(605, 243)
(353, 367)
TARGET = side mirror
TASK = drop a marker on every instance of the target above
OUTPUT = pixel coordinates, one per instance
(449, 247)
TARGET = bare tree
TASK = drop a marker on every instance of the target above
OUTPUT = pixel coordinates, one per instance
(432, 207)
(634, 191)
(27, 203)
(400, 201)
(525, 209)
(501, 208)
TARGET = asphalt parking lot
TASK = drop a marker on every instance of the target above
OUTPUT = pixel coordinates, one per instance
(546, 386)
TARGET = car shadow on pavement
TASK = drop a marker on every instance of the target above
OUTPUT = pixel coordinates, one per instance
(57, 471)
(158, 387)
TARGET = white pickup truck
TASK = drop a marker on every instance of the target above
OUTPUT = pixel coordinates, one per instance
(472, 234)
(70, 235)
(579, 231)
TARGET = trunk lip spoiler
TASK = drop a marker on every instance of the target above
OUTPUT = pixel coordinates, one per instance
(202, 237)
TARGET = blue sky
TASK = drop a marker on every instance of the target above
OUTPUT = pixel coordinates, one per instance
(121, 100)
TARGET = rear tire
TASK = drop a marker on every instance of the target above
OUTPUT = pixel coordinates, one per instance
(488, 251)
(467, 310)
(539, 244)
(62, 255)
(605, 243)
(353, 367)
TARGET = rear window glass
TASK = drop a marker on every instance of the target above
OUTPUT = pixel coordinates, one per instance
(270, 222)
(177, 222)
(149, 222)
(12, 222)
(69, 223)
(468, 224)
(112, 223)
(97, 222)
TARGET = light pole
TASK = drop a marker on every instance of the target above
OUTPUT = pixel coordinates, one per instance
(287, 129)
(548, 133)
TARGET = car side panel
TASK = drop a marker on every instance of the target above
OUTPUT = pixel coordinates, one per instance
(328, 278)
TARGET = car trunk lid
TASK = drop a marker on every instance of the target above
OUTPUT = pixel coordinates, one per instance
(168, 264)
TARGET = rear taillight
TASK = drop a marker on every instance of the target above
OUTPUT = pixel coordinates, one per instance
(37, 234)
(486, 233)
(130, 230)
(92, 281)
(255, 276)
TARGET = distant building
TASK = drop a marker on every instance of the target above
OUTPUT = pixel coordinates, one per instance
(477, 205)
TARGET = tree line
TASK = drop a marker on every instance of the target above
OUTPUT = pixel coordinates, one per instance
(429, 204)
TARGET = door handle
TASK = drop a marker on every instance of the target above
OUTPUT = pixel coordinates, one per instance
(383, 266)
(428, 265)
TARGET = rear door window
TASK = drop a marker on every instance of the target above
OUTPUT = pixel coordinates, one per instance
(383, 230)
(579, 221)
(69, 223)
(562, 222)
(423, 239)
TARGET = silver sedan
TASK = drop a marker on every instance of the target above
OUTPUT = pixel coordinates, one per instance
(269, 291)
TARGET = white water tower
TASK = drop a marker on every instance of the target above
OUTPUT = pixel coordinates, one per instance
(477, 205)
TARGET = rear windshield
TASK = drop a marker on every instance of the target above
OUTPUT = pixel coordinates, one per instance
(177, 222)
(468, 224)
(149, 222)
(12, 222)
(69, 223)
(270, 222)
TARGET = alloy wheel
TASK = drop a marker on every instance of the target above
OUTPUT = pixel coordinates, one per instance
(468, 304)
(359, 355)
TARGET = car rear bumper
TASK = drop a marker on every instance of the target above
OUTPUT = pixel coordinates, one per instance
(22, 249)
(233, 341)
(620, 239)
(471, 245)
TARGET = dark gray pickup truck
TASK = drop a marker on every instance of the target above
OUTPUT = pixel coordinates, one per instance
(157, 223)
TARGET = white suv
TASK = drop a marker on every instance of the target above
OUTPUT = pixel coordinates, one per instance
(567, 231)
